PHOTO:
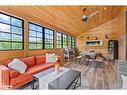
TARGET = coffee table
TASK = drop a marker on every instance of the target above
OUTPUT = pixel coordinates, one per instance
(63, 81)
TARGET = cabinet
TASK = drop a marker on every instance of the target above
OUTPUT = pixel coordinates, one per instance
(113, 49)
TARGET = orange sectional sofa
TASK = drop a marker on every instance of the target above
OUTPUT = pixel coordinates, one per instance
(11, 78)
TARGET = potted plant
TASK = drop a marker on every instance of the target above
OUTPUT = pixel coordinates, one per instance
(77, 52)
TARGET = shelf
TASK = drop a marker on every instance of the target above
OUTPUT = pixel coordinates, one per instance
(93, 43)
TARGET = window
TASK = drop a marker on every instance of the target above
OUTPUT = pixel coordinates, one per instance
(35, 36)
(49, 38)
(11, 33)
(58, 40)
(64, 40)
(71, 42)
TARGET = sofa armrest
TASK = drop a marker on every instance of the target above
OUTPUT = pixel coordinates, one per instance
(4, 77)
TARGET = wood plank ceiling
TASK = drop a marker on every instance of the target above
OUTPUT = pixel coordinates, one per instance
(69, 17)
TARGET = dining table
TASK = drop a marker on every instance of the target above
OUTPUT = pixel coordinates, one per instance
(89, 54)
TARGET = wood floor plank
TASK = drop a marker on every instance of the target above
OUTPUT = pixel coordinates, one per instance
(99, 76)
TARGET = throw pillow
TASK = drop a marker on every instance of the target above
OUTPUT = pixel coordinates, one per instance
(40, 59)
(29, 61)
(51, 58)
(14, 74)
(18, 65)
(124, 83)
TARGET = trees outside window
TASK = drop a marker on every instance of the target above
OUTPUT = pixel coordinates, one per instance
(11, 33)
(35, 36)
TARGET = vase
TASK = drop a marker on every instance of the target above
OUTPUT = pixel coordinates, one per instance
(57, 68)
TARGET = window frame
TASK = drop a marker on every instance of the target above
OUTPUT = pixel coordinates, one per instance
(48, 34)
(63, 40)
(11, 34)
(72, 42)
(59, 40)
(36, 36)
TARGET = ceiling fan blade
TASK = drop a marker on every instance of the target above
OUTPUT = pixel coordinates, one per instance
(93, 14)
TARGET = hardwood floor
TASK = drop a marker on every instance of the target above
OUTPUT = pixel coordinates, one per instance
(99, 76)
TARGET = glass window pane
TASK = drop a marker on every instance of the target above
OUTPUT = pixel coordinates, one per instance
(16, 38)
(51, 32)
(63, 46)
(32, 46)
(4, 27)
(32, 33)
(46, 40)
(5, 45)
(39, 46)
(47, 31)
(39, 40)
(59, 40)
(39, 28)
(16, 30)
(51, 41)
(51, 37)
(5, 36)
(51, 46)
(32, 26)
(16, 46)
(32, 39)
(39, 34)
(46, 46)
(4, 19)
(47, 36)
(16, 22)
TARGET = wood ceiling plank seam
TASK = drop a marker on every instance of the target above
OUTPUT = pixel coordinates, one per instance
(47, 9)
(99, 16)
(116, 12)
(74, 27)
(91, 20)
(63, 24)
(52, 24)
(95, 17)
(111, 12)
(75, 24)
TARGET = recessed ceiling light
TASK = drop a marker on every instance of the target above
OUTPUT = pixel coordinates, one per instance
(105, 8)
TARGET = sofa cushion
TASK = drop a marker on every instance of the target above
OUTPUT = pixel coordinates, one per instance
(18, 65)
(40, 59)
(13, 74)
(29, 61)
(38, 68)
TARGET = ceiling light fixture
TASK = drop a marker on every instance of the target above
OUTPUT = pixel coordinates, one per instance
(81, 36)
(105, 8)
(106, 36)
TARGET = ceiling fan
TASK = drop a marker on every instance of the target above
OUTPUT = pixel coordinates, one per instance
(85, 17)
